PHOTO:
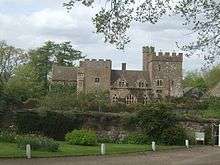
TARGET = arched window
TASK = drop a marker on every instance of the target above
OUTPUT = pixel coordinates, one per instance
(130, 99)
(115, 98)
(145, 99)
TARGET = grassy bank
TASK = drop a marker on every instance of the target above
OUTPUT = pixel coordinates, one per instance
(10, 150)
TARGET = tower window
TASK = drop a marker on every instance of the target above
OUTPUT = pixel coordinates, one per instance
(159, 83)
(97, 80)
(159, 67)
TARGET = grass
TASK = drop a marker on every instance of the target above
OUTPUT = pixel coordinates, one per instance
(10, 150)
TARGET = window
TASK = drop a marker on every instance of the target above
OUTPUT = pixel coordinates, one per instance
(159, 67)
(122, 83)
(115, 98)
(145, 99)
(172, 82)
(97, 80)
(130, 99)
(142, 84)
(159, 83)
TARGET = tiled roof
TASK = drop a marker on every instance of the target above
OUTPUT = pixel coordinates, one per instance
(62, 73)
(131, 76)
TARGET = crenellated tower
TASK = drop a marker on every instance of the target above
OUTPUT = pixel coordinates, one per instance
(165, 71)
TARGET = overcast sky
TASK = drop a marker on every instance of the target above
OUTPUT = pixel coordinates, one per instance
(29, 23)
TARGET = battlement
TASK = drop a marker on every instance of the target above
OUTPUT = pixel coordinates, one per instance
(162, 56)
(96, 63)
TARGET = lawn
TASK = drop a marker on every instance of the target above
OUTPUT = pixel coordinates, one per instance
(11, 150)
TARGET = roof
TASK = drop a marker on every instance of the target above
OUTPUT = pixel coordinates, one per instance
(131, 76)
(215, 91)
(63, 73)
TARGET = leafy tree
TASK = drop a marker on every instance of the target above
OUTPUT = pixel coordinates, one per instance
(196, 80)
(10, 58)
(24, 84)
(45, 56)
(212, 77)
(116, 16)
(155, 119)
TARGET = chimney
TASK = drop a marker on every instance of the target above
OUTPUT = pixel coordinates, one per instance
(123, 66)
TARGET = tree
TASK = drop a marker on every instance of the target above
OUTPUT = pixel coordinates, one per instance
(154, 119)
(116, 16)
(212, 76)
(10, 58)
(24, 83)
(51, 53)
(196, 80)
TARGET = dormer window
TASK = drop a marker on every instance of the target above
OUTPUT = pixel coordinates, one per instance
(122, 83)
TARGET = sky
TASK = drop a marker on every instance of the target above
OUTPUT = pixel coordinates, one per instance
(29, 23)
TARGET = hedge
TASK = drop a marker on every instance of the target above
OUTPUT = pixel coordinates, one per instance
(50, 124)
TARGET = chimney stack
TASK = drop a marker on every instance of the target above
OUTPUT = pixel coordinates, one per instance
(123, 66)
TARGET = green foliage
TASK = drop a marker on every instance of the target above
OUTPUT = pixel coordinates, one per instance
(7, 136)
(10, 58)
(59, 101)
(212, 77)
(154, 119)
(208, 136)
(175, 135)
(213, 108)
(25, 83)
(37, 143)
(137, 138)
(81, 137)
(45, 56)
(50, 124)
(196, 80)
(57, 88)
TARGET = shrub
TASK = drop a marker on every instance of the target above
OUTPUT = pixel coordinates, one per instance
(81, 137)
(6, 136)
(51, 124)
(37, 143)
(154, 119)
(175, 135)
(136, 138)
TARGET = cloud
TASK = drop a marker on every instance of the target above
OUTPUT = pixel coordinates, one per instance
(44, 20)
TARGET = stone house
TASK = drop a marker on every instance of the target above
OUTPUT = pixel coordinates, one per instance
(160, 77)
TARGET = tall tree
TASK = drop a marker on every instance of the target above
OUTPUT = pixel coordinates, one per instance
(24, 83)
(116, 16)
(10, 58)
(51, 53)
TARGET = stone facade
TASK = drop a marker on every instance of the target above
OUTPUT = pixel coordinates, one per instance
(161, 77)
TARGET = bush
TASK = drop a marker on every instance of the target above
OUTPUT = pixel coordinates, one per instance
(175, 135)
(81, 137)
(136, 138)
(51, 124)
(6, 136)
(37, 143)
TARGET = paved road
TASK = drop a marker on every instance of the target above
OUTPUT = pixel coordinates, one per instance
(196, 156)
